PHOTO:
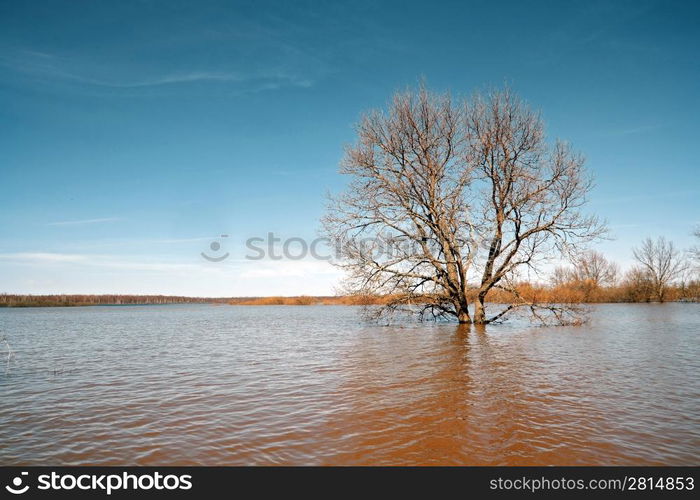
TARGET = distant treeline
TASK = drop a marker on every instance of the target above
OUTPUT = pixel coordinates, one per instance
(570, 292)
(307, 300)
(587, 292)
(8, 300)
(14, 300)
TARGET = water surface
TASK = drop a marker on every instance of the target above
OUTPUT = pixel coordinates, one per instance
(216, 385)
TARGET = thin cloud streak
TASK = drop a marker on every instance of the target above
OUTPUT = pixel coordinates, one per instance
(99, 261)
(642, 129)
(84, 221)
(262, 82)
(239, 268)
(38, 64)
(42, 257)
(623, 226)
(643, 197)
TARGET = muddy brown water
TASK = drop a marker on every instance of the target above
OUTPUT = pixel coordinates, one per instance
(247, 385)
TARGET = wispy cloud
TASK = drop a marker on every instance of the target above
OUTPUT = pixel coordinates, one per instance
(646, 197)
(84, 221)
(119, 245)
(640, 129)
(256, 81)
(174, 240)
(69, 70)
(171, 79)
(44, 272)
(240, 269)
(43, 257)
(289, 268)
(100, 261)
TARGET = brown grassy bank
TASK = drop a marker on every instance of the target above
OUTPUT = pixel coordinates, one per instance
(572, 293)
(563, 294)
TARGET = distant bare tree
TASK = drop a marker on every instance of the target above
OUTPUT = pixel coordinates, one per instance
(561, 276)
(466, 195)
(594, 268)
(661, 262)
(590, 271)
(638, 285)
(695, 251)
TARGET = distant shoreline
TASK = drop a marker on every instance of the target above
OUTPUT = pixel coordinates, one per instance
(17, 301)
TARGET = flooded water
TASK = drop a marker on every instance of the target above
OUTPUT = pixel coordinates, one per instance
(215, 385)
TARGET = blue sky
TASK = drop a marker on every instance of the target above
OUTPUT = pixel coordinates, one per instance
(134, 133)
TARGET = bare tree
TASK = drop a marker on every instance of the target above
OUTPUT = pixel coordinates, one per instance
(695, 251)
(561, 275)
(590, 270)
(661, 262)
(450, 200)
(637, 285)
(592, 267)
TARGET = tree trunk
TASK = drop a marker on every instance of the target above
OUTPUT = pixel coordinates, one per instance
(463, 315)
(480, 311)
